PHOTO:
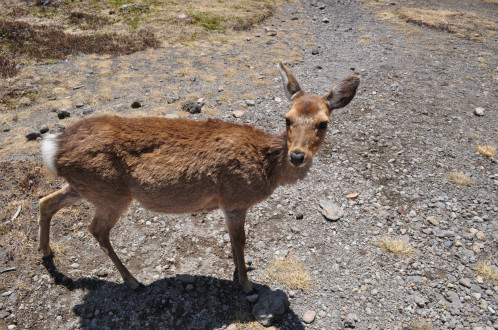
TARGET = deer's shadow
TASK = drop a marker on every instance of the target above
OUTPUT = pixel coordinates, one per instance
(180, 302)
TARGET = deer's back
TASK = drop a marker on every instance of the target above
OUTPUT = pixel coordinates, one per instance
(169, 165)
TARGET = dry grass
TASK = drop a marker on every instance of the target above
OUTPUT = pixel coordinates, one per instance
(395, 245)
(486, 270)
(462, 24)
(487, 150)
(460, 179)
(290, 272)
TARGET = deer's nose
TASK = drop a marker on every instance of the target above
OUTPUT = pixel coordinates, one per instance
(297, 158)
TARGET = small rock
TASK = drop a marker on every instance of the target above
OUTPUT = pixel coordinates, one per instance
(172, 99)
(4, 314)
(136, 104)
(432, 220)
(480, 236)
(79, 105)
(87, 111)
(322, 314)
(11, 326)
(75, 266)
(479, 111)
(250, 103)
(238, 114)
(331, 211)
(44, 129)
(191, 106)
(33, 134)
(465, 282)
(352, 196)
(270, 307)
(63, 113)
(171, 116)
(315, 52)
(309, 317)
(278, 99)
(325, 20)
(6, 128)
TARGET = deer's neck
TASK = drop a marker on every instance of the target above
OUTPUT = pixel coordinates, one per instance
(281, 172)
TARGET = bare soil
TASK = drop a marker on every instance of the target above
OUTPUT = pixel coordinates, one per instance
(410, 126)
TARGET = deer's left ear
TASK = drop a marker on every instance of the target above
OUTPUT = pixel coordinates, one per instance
(342, 93)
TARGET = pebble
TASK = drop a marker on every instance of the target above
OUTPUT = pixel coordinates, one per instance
(44, 129)
(87, 111)
(238, 114)
(6, 128)
(191, 106)
(465, 282)
(432, 220)
(250, 103)
(79, 105)
(136, 104)
(479, 111)
(325, 20)
(480, 236)
(270, 307)
(33, 134)
(63, 113)
(4, 314)
(309, 317)
(75, 266)
(171, 116)
(331, 211)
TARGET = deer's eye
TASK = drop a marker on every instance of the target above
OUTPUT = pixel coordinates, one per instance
(323, 125)
(287, 122)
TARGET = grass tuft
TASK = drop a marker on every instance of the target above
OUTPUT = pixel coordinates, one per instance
(486, 270)
(290, 272)
(460, 179)
(487, 150)
(395, 245)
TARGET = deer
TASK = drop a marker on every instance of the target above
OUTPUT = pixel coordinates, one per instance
(184, 166)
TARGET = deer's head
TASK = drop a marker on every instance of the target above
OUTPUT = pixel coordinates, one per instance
(308, 118)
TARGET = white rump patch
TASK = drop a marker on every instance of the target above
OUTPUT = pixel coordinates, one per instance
(48, 149)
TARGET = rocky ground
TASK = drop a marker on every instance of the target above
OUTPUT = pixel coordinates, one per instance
(385, 168)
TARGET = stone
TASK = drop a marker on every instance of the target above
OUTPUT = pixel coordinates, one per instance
(191, 106)
(57, 128)
(171, 116)
(250, 103)
(465, 282)
(309, 317)
(172, 99)
(270, 307)
(238, 114)
(87, 111)
(80, 105)
(252, 298)
(479, 111)
(325, 20)
(6, 128)
(432, 220)
(315, 52)
(44, 129)
(63, 113)
(480, 236)
(136, 105)
(331, 211)
(33, 134)
(4, 314)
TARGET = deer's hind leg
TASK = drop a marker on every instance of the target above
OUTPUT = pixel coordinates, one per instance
(106, 216)
(49, 205)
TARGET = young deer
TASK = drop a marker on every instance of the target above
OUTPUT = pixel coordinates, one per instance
(184, 166)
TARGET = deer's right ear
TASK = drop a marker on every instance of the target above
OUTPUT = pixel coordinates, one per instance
(291, 86)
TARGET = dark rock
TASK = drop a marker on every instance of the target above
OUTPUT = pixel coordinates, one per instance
(79, 105)
(44, 129)
(87, 111)
(33, 134)
(315, 52)
(6, 128)
(63, 113)
(191, 106)
(136, 105)
(270, 307)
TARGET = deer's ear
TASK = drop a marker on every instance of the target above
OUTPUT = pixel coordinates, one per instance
(342, 93)
(291, 86)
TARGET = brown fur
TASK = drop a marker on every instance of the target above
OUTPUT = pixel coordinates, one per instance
(182, 166)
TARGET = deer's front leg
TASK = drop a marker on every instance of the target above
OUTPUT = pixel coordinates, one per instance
(235, 220)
